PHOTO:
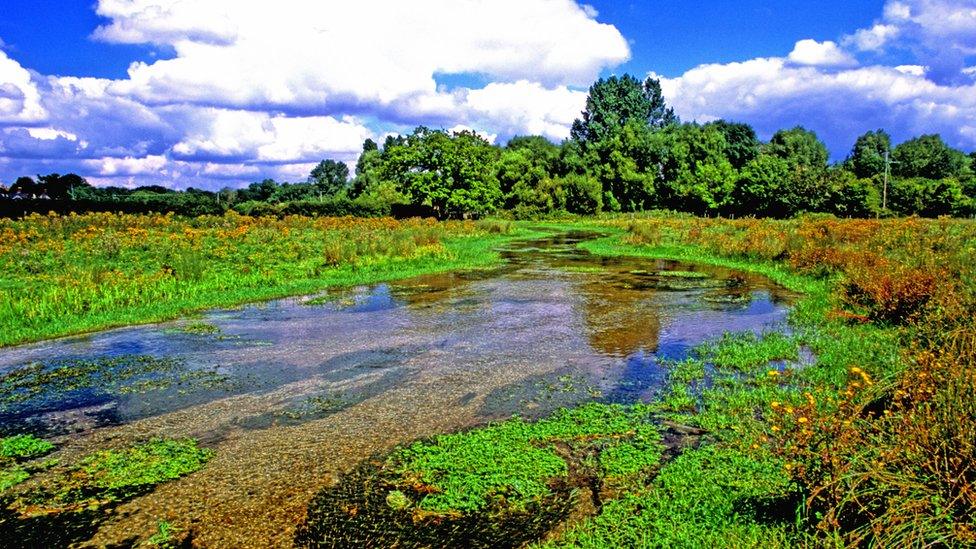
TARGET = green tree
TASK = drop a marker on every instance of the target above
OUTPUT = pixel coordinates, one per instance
(762, 188)
(928, 157)
(926, 197)
(329, 177)
(583, 194)
(741, 143)
(850, 196)
(800, 148)
(867, 158)
(615, 101)
(454, 175)
(700, 177)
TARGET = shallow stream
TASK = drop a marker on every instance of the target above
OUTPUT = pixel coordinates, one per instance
(293, 393)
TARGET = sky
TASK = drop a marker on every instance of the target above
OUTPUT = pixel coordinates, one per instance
(215, 93)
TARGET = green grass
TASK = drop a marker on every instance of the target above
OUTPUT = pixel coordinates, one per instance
(59, 282)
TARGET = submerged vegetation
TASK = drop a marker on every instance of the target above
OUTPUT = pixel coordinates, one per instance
(64, 503)
(65, 275)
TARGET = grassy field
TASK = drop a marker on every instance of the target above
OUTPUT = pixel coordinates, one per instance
(62, 275)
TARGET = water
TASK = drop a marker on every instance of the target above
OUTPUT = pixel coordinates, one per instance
(292, 393)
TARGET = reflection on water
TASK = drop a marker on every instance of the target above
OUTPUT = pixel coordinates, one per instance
(310, 386)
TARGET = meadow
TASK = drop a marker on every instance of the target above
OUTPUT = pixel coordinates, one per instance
(63, 275)
(856, 426)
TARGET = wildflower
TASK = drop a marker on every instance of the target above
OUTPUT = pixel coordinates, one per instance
(774, 404)
(802, 420)
(773, 373)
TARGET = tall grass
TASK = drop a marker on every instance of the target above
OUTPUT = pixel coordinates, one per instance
(67, 274)
(885, 450)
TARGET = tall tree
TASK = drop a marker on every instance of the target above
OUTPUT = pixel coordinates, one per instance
(867, 158)
(700, 177)
(452, 174)
(800, 147)
(741, 143)
(929, 157)
(615, 101)
(329, 177)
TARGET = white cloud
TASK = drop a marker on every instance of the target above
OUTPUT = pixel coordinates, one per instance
(260, 137)
(527, 107)
(820, 54)
(326, 56)
(771, 93)
(127, 166)
(20, 100)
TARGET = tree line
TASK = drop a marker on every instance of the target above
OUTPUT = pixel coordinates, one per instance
(628, 152)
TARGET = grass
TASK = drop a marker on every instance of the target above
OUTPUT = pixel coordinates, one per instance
(75, 274)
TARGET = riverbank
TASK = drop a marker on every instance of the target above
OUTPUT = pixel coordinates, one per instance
(76, 274)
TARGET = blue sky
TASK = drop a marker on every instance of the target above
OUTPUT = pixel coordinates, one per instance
(218, 92)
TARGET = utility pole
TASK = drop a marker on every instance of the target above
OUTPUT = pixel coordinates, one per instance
(887, 172)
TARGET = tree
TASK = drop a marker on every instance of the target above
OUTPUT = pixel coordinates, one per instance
(26, 186)
(329, 177)
(615, 101)
(867, 158)
(700, 177)
(454, 175)
(761, 189)
(741, 143)
(928, 157)
(801, 148)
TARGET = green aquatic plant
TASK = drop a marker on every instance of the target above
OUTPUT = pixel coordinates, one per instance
(118, 474)
(12, 476)
(21, 447)
(198, 328)
(681, 274)
(746, 351)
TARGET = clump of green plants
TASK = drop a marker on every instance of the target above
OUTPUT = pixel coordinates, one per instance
(507, 483)
(709, 497)
(15, 453)
(516, 461)
(119, 474)
(746, 351)
(198, 328)
(681, 274)
(21, 447)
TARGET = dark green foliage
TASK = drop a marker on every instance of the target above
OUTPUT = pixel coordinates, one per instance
(800, 148)
(867, 158)
(927, 157)
(451, 174)
(615, 101)
(699, 176)
(741, 143)
(926, 197)
(329, 177)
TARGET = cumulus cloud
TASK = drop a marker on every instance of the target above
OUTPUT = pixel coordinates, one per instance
(820, 54)
(773, 93)
(302, 56)
(941, 33)
(20, 100)
(252, 90)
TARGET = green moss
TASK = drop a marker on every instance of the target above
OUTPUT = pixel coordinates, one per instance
(681, 274)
